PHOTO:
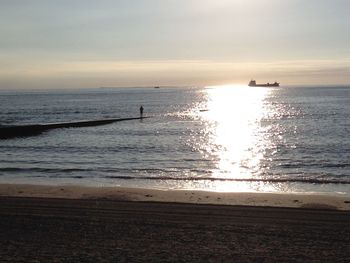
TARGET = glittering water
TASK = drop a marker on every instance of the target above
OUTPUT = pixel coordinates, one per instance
(225, 138)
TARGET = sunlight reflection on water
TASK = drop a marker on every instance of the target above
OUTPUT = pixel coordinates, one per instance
(232, 117)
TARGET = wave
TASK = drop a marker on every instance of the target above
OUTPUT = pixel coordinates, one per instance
(40, 170)
(76, 173)
(258, 180)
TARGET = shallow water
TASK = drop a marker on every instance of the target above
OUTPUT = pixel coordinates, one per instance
(227, 138)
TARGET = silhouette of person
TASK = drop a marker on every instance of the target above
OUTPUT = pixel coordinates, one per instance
(141, 111)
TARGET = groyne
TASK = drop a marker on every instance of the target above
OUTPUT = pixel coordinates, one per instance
(13, 131)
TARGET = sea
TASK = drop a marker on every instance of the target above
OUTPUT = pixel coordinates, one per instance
(229, 138)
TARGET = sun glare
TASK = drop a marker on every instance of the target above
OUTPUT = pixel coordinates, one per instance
(233, 118)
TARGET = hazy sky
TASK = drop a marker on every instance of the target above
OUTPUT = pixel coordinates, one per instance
(83, 43)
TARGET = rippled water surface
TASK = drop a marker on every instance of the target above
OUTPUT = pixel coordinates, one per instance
(225, 138)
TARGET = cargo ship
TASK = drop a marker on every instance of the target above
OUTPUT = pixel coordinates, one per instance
(253, 83)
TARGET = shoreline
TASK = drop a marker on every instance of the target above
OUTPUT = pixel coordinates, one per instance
(289, 200)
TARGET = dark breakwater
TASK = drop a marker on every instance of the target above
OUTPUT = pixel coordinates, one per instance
(8, 132)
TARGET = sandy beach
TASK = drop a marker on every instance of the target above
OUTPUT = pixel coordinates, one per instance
(295, 200)
(78, 224)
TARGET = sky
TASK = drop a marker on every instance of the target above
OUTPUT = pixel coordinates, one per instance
(88, 43)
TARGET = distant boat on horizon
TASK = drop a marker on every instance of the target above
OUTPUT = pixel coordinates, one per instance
(156, 87)
(253, 83)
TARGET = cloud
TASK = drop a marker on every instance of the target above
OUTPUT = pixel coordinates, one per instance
(171, 72)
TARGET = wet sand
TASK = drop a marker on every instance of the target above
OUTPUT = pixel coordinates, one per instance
(86, 230)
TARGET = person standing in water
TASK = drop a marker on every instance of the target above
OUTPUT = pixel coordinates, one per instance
(141, 111)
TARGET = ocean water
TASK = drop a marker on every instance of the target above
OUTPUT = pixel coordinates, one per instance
(220, 138)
